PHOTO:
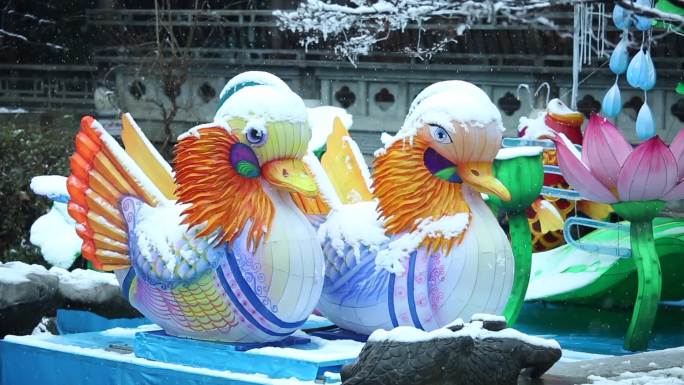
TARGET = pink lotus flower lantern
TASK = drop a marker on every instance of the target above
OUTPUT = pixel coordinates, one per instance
(636, 182)
(609, 170)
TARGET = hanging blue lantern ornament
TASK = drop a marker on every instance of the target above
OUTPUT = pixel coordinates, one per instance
(649, 81)
(618, 59)
(645, 127)
(622, 18)
(641, 72)
(612, 102)
(644, 23)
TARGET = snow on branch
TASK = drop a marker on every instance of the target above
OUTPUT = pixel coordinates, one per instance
(355, 29)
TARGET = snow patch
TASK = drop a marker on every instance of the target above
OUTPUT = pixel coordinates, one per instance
(49, 185)
(159, 232)
(82, 284)
(272, 104)
(445, 102)
(517, 152)
(356, 225)
(16, 272)
(321, 121)
(10, 110)
(671, 376)
(55, 234)
(534, 127)
(474, 329)
(325, 187)
(325, 350)
(399, 249)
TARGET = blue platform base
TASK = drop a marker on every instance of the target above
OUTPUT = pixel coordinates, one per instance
(141, 356)
(79, 321)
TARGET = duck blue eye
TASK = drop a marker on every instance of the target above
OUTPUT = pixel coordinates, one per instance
(440, 134)
(256, 136)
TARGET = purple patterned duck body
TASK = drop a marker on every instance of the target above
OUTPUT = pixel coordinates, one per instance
(216, 249)
(427, 250)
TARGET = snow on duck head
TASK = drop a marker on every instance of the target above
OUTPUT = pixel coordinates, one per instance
(464, 111)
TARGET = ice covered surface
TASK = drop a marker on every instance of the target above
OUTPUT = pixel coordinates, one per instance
(391, 258)
(445, 102)
(517, 152)
(44, 341)
(356, 225)
(473, 329)
(130, 332)
(55, 234)
(671, 376)
(321, 121)
(9, 110)
(49, 185)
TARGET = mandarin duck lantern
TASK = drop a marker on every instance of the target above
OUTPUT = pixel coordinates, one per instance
(419, 247)
(214, 249)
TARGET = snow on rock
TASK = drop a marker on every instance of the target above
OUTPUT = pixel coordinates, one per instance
(86, 285)
(17, 272)
(472, 329)
(487, 317)
(10, 110)
(356, 225)
(671, 376)
(55, 234)
(321, 121)
(517, 152)
(445, 102)
(50, 186)
(391, 258)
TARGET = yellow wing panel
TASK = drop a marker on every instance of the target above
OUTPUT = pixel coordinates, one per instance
(147, 157)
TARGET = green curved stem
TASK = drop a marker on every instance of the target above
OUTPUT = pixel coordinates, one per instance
(650, 285)
(521, 242)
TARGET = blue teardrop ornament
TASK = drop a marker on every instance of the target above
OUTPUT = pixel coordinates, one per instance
(618, 59)
(645, 127)
(644, 23)
(649, 80)
(636, 69)
(622, 17)
(612, 102)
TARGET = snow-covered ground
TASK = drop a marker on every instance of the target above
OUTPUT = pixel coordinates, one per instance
(671, 376)
(10, 110)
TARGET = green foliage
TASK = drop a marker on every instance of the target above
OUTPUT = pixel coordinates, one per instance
(30, 145)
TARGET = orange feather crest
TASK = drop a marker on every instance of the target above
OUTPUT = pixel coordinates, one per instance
(219, 198)
(407, 193)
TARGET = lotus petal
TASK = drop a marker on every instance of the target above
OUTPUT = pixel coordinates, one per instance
(604, 150)
(677, 148)
(644, 23)
(612, 102)
(577, 173)
(676, 193)
(649, 172)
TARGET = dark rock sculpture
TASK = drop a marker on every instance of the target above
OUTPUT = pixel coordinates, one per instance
(457, 355)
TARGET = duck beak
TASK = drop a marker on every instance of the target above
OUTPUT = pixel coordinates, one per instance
(290, 175)
(479, 175)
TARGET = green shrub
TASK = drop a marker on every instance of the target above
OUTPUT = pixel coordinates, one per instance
(30, 145)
